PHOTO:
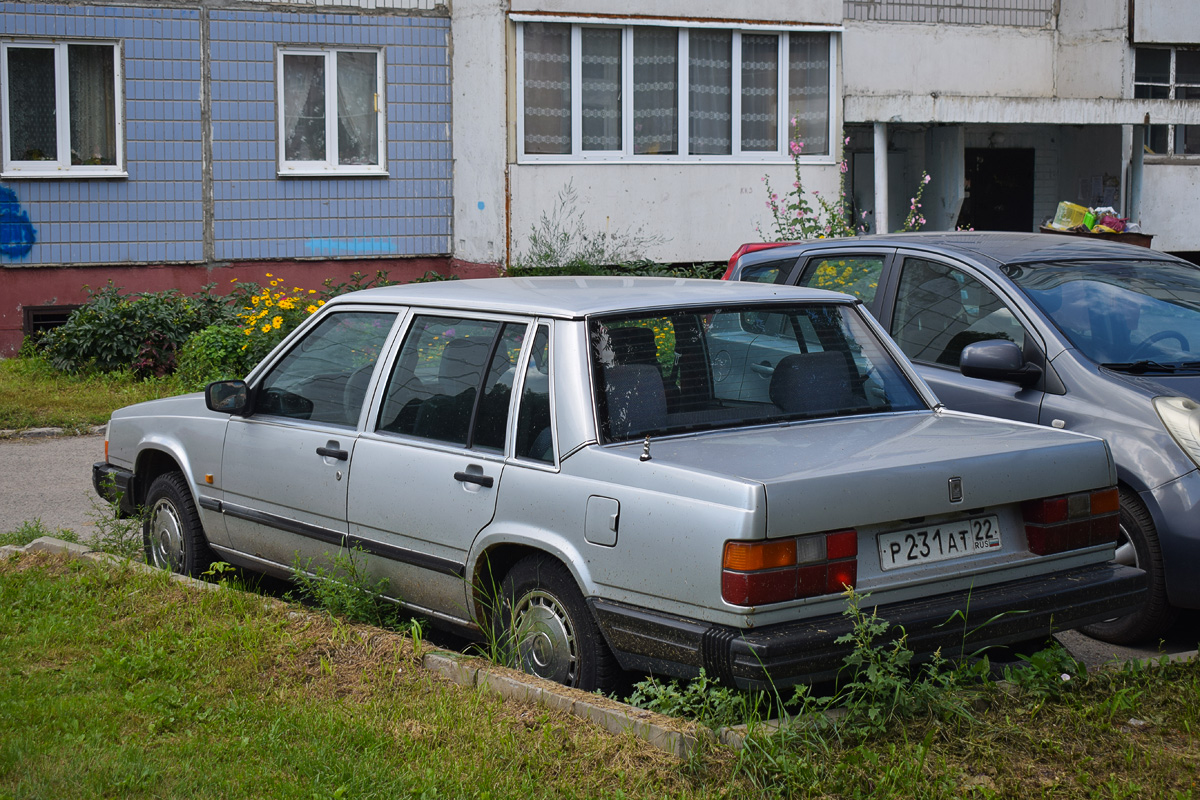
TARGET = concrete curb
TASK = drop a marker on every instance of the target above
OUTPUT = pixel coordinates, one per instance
(665, 733)
(47, 433)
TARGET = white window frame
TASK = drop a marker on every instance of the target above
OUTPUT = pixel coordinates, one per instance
(330, 165)
(1171, 85)
(626, 155)
(61, 166)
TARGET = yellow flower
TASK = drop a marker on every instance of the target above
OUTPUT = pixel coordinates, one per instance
(254, 300)
(266, 328)
(312, 291)
(311, 309)
(276, 322)
(286, 304)
(269, 275)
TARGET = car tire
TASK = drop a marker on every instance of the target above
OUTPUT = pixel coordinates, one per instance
(172, 534)
(547, 630)
(1137, 546)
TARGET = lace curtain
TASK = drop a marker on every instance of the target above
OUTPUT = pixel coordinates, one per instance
(655, 91)
(304, 108)
(547, 65)
(358, 121)
(710, 92)
(600, 59)
(760, 92)
(808, 92)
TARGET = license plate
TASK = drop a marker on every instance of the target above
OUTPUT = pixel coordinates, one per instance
(939, 543)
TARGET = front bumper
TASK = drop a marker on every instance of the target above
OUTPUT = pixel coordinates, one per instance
(114, 484)
(807, 650)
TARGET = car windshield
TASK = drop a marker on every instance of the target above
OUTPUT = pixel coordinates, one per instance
(677, 371)
(1139, 314)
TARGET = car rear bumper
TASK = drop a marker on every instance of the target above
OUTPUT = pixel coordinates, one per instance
(807, 650)
(114, 483)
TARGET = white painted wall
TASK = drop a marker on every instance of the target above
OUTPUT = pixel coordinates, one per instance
(1166, 22)
(479, 86)
(702, 211)
(989, 61)
(807, 11)
(1169, 195)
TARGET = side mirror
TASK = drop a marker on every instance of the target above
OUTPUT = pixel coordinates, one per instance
(998, 360)
(228, 397)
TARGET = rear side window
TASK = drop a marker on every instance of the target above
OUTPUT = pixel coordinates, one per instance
(766, 272)
(856, 275)
(452, 381)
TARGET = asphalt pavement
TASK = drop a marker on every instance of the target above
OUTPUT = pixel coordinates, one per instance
(50, 478)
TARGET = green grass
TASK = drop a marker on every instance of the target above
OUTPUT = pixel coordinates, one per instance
(35, 395)
(116, 683)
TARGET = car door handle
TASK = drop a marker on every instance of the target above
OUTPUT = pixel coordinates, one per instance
(764, 368)
(333, 452)
(485, 481)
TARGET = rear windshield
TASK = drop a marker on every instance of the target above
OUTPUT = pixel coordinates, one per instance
(700, 369)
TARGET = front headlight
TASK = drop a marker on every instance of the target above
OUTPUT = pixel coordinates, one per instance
(1181, 415)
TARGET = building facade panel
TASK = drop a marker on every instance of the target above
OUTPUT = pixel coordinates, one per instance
(403, 212)
(155, 214)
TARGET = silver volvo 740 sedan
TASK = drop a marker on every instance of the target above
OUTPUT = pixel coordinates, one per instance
(631, 474)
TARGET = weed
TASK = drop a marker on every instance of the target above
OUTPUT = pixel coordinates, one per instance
(116, 533)
(702, 699)
(563, 240)
(34, 529)
(1046, 674)
(344, 589)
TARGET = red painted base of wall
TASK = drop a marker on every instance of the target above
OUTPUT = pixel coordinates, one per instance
(53, 286)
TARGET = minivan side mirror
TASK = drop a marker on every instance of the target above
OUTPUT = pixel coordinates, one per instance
(998, 360)
(228, 397)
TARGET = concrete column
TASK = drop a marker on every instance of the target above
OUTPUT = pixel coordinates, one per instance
(881, 179)
(1136, 162)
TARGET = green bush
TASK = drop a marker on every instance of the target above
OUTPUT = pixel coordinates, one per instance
(113, 331)
(212, 354)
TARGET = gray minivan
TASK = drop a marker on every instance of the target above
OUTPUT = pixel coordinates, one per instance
(1065, 331)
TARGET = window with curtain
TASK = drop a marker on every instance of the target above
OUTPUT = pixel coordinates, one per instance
(1169, 73)
(331, 111)
(63, 108)
(693, 93)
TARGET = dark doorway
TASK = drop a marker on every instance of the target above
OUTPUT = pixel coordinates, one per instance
(999, 190)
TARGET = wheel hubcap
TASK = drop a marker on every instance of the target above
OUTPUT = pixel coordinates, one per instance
(545, 641)
(166, 537)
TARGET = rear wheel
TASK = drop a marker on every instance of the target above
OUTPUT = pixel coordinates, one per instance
(1137, 546)
(548, 630)
(172, 534)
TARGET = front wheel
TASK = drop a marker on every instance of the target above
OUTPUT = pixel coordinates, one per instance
(1137, 546)
(549, 631)
(172, 535)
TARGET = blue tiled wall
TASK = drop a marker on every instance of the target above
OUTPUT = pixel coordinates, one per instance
(259, 215)
(155, 215)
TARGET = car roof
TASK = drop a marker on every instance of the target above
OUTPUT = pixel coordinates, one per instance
(577, 297)
(997, 247)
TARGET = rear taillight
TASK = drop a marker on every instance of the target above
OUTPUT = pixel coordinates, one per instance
(1071, 522)
(759, 573)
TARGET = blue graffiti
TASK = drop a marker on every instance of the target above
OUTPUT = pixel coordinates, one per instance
(350, 246)
(16, 231)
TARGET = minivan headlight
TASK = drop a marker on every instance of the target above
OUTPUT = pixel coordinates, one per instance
(1181, 415)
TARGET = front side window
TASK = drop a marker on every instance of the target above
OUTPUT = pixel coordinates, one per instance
(325, 376)
(708, 368)
(331, 117)
(940, 310)
(61, 109)
(1169, 73)
(643, 91)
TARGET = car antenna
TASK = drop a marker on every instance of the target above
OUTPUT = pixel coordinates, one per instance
(645, 449)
